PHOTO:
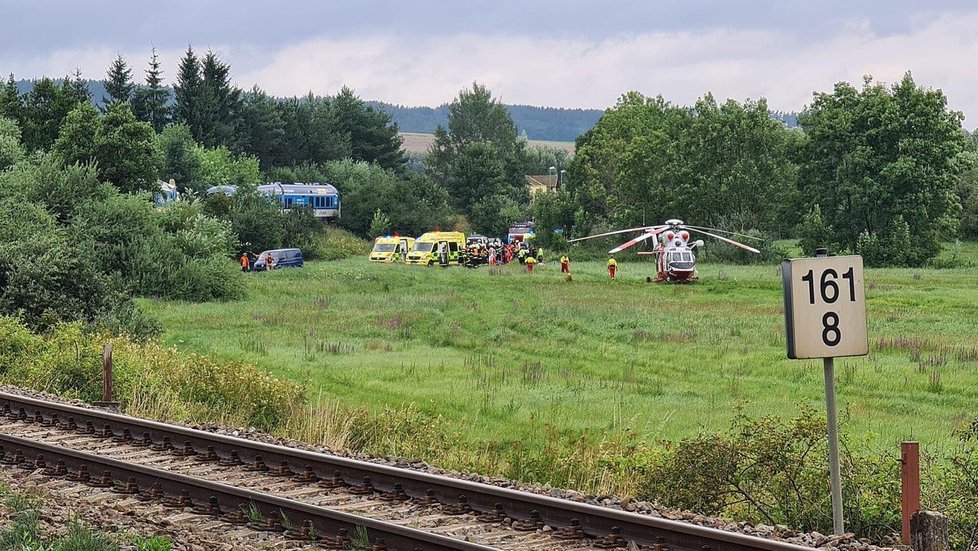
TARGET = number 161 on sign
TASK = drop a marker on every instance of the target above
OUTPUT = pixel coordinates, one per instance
(824, 307)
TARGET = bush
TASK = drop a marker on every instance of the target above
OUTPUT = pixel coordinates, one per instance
(150, 379)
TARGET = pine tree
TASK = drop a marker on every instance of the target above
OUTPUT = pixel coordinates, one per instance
(150, 103)
(118, 82)
(188, 90)
(79, 88)
(373, 137)
(221, 104)
(11, 104)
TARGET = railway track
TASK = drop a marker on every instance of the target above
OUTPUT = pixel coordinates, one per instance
(322, 499)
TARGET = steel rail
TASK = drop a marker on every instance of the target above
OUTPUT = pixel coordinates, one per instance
(596, 521)
(230, 499)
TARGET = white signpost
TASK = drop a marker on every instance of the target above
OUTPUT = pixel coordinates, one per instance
(825, 317)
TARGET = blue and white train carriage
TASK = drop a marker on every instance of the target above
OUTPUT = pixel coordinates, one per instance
(323, 199)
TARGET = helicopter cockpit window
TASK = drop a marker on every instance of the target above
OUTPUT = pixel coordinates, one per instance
(687, 257)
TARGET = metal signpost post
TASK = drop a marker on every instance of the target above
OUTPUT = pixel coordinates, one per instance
(825, 317)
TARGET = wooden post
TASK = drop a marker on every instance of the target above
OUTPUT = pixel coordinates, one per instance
(910, 485)
(107, 373)
(107, 378)
(929, 531)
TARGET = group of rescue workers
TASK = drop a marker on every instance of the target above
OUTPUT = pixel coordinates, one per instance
(247, 261)
(527, 255)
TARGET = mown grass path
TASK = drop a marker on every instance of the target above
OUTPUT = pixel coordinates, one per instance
(503, 355)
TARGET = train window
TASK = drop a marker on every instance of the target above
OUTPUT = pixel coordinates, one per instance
(287, 202)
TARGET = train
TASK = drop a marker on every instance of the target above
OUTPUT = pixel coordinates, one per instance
(323, 199)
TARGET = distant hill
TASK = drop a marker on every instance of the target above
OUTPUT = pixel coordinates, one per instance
(539, 123)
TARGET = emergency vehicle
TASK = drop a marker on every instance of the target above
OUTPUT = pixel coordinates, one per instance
(438, 248)
(391, 248)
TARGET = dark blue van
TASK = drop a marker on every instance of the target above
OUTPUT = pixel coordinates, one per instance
(281, 258)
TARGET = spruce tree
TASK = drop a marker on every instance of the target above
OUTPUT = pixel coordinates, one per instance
(221, 109)
(118, 82)
(373, 137)
(79, 88)
(11, 104)
(150, 103)
(188, 92)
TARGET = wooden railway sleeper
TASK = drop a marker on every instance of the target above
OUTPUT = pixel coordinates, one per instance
(257, 465)
(572, 532)
(232, 460)
(212, 508)
(187, 450)
(155, 493)
(305, 532)
(334, 481)
(129, 487)
(38, 463)
(282, 470)
(178, 501)
(341, 541)
(613, 540)
(270, 523)
(307, 475)
(144, 441)
(208, 456)
(104, 481)
(395, 494)
(497, 514)
(59, 470)
(530, 524)
(461, 507)
(364, 488)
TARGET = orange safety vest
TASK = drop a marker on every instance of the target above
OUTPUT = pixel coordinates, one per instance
(244, 261)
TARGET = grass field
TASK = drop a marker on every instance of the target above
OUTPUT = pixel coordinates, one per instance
(506, 357)
(415, 142)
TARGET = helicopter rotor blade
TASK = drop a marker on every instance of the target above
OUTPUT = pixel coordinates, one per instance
(636, 241)
(616, 232)
(741, 235)
(731, 241)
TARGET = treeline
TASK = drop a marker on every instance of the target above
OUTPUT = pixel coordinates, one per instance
(886, 172)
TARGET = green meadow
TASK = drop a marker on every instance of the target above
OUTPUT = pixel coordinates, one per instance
(504, 357)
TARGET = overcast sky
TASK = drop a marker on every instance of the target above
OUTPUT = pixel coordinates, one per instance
(563, 53)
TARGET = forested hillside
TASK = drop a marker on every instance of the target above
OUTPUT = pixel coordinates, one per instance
(538, 123)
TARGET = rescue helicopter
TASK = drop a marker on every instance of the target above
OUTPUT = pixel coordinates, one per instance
(674, 253)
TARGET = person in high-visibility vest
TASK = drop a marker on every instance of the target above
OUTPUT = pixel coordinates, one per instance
(612, 267)
(245, 263)
(530, 263)
(564, 265)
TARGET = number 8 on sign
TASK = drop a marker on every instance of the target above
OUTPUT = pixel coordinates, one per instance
(824, 307)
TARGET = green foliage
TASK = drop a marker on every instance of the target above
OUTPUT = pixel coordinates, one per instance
(878, 153)
(43, 111)
(812, 232)
(772, 470)
(10, 149)
(76, 142)
(413, 205)
(118, 82)
(181, 162)
(125, 151)
(380, 224)
(155, 543)
(890, 246)
(219, 167)
(373, 137)
(479, 158)
(150, 103)
(647, 161)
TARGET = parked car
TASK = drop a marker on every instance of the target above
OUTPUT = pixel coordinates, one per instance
(281, 258)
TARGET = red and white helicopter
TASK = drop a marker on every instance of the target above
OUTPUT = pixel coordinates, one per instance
(675, 259)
